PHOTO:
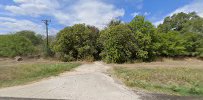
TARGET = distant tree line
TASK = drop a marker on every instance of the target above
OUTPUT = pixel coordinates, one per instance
(22, 43)
(180, 35)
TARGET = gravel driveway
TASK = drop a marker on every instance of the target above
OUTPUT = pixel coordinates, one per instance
(87, 82)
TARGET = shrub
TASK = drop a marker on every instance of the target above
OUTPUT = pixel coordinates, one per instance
(35, 39)
(13, 45)
(200, 51)
(144, 34)
(192, 43)
(118, 45)
(78, 42)
(172, 44)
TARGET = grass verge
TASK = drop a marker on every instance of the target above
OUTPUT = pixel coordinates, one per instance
(176, 80)
(24, 73)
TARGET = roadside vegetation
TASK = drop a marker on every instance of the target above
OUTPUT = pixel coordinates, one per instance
(176, 80)
(23, 43)
(78, 42)
(180, 35)
(12, 74)
(13, 45)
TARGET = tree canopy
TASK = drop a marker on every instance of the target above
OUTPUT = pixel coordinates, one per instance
(14, 45)
(183, 23)
(179, 35)
(118, 44)
(77, 42)
(32, 36)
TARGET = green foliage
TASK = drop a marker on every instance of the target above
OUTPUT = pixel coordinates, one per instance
(172, 44)
(14, 45)
(179, 35)
(145, 38)
(200, 51)
(178, 22)
(114, 22)
(140, 24)
(192, 43)
(190, 37)
(118, 45)
(194, 26)
(47, 51)
(35, 39)
(77, 42)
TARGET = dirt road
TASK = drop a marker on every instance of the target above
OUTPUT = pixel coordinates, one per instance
(87, 82)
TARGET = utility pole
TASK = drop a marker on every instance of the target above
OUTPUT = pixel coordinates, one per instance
(46, 22)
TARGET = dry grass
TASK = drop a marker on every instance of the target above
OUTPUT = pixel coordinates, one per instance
(183, 77)
(15, 73)
(167, 63)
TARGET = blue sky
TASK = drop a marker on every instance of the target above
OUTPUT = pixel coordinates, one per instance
(16, 15)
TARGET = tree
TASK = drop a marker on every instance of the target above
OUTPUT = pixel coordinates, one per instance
(118, 45)
(77, 43)
(14, 45)
(172, 44)
(194, 26)
(114, 22)
(189, 26)
(192, 43)
(145, 38)
(180, 22)
(32, 36)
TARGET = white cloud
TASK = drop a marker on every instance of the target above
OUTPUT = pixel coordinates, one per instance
(92, 12)
(147, 13)
(158, 22)
(33, 7)
(135, 14)
(195, 6)
(139, 13)
(17, 25)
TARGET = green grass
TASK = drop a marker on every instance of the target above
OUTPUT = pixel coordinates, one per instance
(23, 73)
(178, 81)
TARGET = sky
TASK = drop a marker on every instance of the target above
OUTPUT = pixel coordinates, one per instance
(16, 15)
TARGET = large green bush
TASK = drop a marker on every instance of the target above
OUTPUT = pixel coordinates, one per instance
(172, 44)
(118, 44)
(193, 41)
(78, 42)
(37, 40)
(144, 34)
(14, 45)
(32, 36)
